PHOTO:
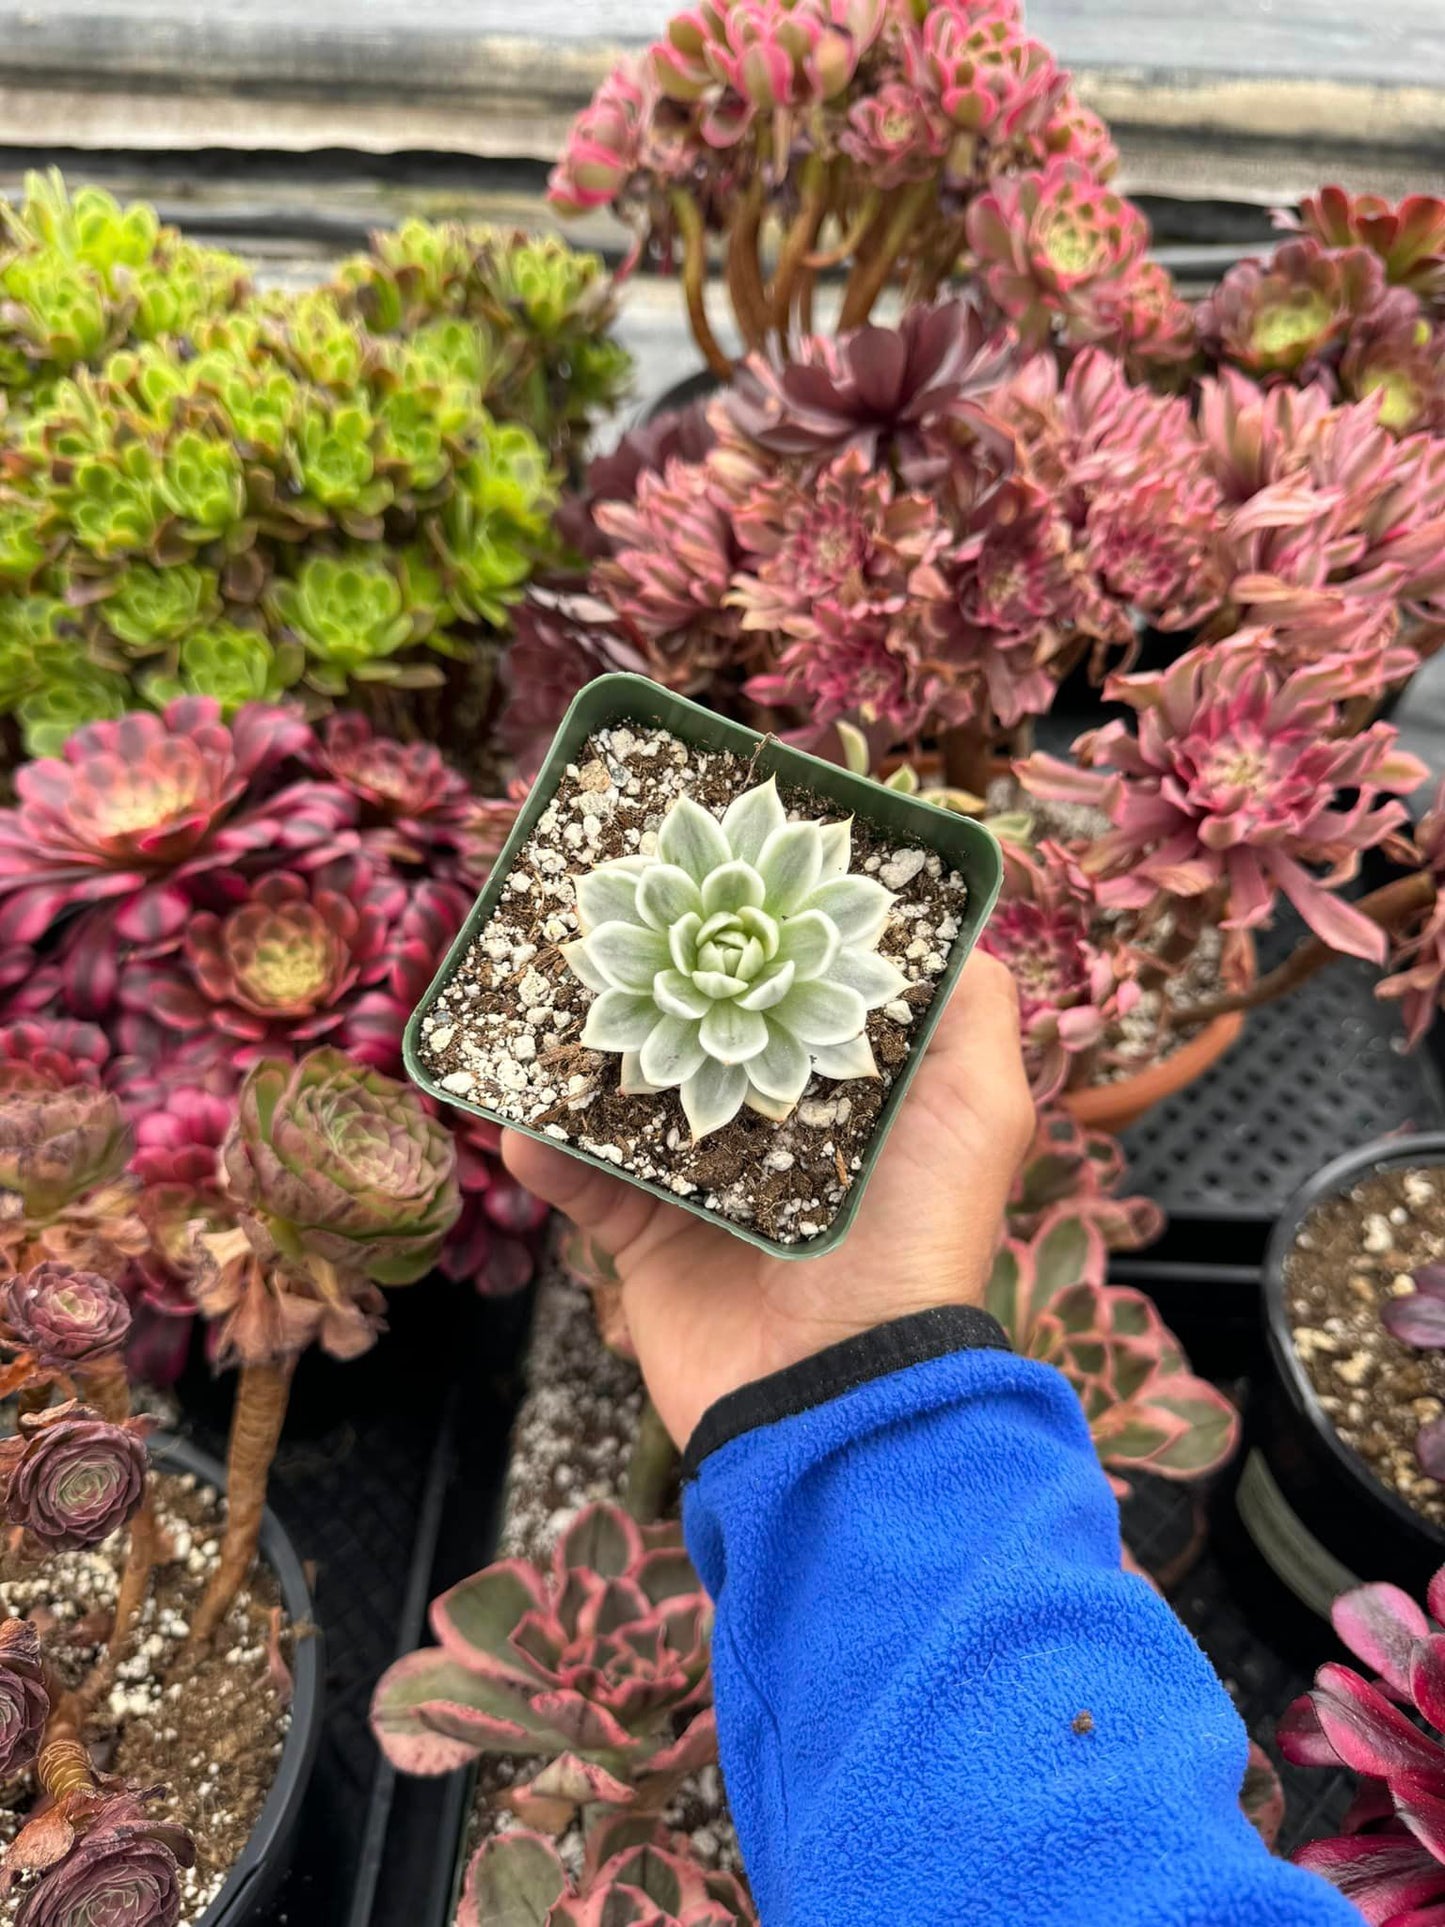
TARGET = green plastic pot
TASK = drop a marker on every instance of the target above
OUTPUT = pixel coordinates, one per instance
(962, 844)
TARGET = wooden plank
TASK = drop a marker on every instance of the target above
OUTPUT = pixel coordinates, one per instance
(1252, 99)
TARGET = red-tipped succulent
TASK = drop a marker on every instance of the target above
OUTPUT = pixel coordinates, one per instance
(414, 808)
(877, 390)
(64, 1193)
(669, 572)
(1147, 1411)
(1047, 242)
(600, 1666)
(1390, 1857)
(137, 807)
(1408, 238)
(1074, 982)
(1290, 315)
(1235, 785)
(24, 1702)
(279, 967)
(1069, 1165)
(71, 1478)
(634, 1875)
(605, 143)
(1417, 956)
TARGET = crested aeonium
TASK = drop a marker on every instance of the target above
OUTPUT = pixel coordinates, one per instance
(736, 961)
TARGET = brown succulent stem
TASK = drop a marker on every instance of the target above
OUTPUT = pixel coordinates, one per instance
(651, 1469)
(63, 1763)
(694, 281)
(107, 1389)
(801, 238)
(1394, 905)
(31, 1399)
(261, 1399)
(852, 237)
(143, 1550)
(868, 280)
(744, 273)
(966, 756)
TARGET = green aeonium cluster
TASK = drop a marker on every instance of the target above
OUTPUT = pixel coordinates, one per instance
(737, 961)
(280, 495)
(81, 276)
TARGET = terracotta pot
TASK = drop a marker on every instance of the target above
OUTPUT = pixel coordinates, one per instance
(1114, 1107)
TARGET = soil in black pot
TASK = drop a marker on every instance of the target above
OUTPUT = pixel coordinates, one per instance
(504, 1031)
(213, 1741)
(1353, 1254)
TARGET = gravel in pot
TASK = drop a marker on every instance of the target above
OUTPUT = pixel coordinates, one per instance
(1332, 1490)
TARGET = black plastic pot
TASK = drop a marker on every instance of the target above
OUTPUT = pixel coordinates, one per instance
(1302, 1501)
(253, 1880)
(684, 393)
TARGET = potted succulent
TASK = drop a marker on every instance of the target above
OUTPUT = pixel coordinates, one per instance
(669, 938)
(229, 494)
(213, 934)
(112, 1555)
(1345, 1429)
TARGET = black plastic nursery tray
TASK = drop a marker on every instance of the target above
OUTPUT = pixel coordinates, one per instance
(388, 1480)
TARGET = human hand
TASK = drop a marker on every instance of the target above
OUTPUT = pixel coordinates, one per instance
(708, 1313)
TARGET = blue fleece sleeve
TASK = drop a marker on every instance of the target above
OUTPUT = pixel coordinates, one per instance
(939, 1698)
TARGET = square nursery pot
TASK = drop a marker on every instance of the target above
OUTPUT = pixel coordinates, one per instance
(962, 845)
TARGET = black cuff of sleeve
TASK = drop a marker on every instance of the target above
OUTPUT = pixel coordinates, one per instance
(842, 1368)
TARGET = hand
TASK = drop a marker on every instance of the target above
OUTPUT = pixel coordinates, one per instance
(709, 1314)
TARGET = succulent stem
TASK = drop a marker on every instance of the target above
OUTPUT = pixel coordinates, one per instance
(870, 278)
(744, 275)
(1395, 904)
(261, 1399)
(966, 757)
(63, 1763)
(800, 240)
(651, 1469)
(694, 281)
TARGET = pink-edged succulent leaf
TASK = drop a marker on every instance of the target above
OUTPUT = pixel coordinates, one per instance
(425, 1719)
(1366, 1730)
(1381, 1626)
(604, 1656)
(1387, 1876)
(553, 1796)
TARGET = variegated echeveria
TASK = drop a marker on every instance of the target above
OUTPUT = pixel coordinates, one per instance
(735, 962)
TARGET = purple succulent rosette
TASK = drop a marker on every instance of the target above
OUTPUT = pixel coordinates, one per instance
(24, 1701)
(100, 1857)
(71, 1478)
(68, 1320)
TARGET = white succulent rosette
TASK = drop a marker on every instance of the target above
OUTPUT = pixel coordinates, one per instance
(735, 962)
